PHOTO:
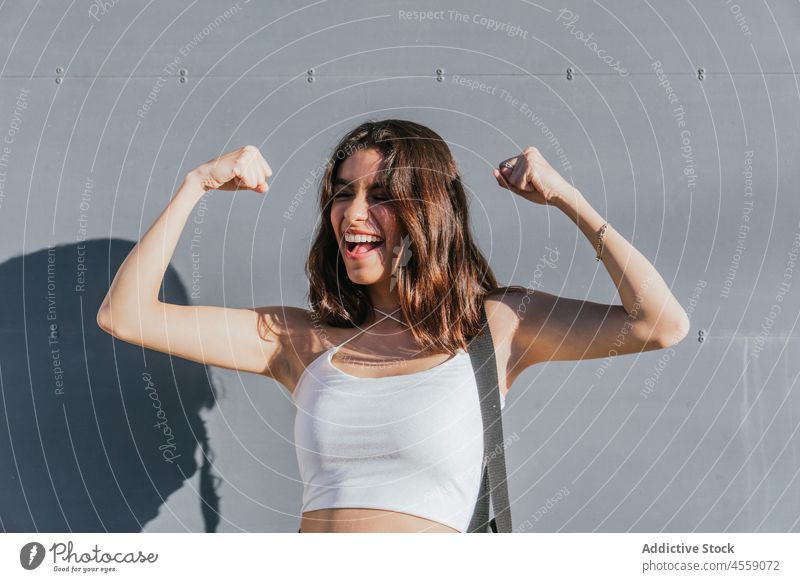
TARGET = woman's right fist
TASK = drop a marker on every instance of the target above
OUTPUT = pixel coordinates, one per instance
(242, 169)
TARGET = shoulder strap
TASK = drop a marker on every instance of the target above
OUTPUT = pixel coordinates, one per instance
(494, 485)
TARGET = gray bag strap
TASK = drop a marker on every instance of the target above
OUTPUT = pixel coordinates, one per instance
(494, 486)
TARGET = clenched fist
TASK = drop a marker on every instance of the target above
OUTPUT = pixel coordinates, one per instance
(241, 169)
(532, 177)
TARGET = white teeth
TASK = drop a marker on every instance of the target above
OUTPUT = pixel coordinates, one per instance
(360, 238)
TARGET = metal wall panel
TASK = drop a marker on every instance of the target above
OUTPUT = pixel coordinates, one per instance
(99, 126)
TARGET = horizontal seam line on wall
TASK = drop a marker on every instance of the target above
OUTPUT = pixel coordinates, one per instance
(421, 76)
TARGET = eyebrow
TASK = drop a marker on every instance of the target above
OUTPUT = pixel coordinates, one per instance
(343, 182)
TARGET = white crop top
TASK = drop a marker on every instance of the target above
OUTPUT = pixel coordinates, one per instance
(410, 443)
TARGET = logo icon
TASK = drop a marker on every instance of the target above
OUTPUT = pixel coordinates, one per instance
(403, 254)
(31, 555)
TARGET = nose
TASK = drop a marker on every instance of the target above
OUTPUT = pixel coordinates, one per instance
(356, 210)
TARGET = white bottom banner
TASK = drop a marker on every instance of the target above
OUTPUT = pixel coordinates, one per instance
(502, 557)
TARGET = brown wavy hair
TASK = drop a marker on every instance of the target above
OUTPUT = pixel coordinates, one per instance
(442, 286)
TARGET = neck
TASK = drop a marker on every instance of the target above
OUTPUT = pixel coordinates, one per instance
(382, 298)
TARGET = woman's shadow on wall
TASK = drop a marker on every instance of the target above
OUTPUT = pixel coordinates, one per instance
(95, 433)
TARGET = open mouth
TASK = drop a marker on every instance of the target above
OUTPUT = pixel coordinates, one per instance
(357, 249)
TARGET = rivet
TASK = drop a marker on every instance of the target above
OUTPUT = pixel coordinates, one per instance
(58, 80)
(182, 79)
(183, 72)
(439, 71)
(59, 70)
(311, 71)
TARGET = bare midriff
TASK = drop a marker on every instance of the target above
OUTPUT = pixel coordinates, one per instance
(363, 520)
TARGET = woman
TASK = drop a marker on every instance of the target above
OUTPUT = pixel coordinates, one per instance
(388, 427)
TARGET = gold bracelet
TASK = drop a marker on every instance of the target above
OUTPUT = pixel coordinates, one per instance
(601, 241)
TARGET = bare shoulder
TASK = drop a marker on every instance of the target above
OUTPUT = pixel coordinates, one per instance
(289, 330)
(299, 337)
(282, 321)
(504, 312)
(505, 307)
(522, 323)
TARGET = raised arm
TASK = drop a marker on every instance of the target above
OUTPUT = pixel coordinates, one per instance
(560, 328)
(241, 339)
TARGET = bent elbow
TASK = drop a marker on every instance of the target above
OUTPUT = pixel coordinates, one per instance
(105, 321)
(676, 333)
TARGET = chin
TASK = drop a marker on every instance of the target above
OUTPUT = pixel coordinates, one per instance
(361, 278)
(367, 274)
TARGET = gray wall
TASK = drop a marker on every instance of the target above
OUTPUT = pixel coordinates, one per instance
(98, 128)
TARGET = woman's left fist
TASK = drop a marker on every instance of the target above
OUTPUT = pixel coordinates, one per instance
(532, 177)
